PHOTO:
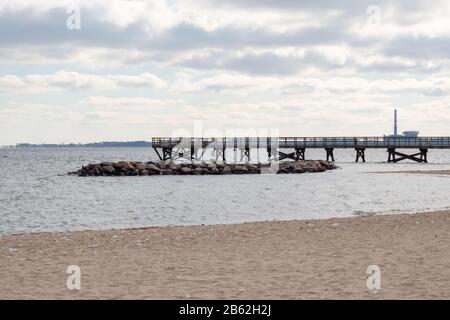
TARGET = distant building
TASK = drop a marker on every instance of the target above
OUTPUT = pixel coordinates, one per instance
(408, 133)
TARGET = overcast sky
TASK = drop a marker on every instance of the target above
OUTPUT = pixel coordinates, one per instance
(130, 70)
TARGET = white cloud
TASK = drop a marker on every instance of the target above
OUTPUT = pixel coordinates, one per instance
(152, 66)
(237, 83)
(143, 80)
(224, 82)
(11, 82)
(126, 102)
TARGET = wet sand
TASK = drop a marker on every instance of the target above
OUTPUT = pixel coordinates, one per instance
(292, 259)
(437, 172)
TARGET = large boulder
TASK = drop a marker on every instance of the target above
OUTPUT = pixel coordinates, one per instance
(226, 170)
(198, 171)
(220, 166)
(118, 165)
(167, 172)
(83, 172)
(240, 169)
(108, 169)
(95, 170)
(186, 170)
(154, 163)
(133, 172)
(140, 166)
(213, 170)
(151, 168)
(282, 170)
(299, 167)
(285, 167)
(164, 165)
(126, 166)
(316, 166)
(201, 165)
(174, 166)
(253, 169)
(327, 165)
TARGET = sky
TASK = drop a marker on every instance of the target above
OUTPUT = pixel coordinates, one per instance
(85, 71)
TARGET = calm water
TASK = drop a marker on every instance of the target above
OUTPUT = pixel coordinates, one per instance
(36, 195)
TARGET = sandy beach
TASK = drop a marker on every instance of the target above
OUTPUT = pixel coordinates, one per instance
(323, 259)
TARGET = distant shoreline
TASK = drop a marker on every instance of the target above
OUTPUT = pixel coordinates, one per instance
(103, 144)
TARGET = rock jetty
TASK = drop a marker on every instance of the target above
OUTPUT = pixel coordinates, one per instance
(151, 168)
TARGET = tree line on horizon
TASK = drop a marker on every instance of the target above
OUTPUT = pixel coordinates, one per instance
(103, 144)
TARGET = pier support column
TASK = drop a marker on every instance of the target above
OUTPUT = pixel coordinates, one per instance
(360, 154)
(157, 153)
(245, 154)
(167, 153)
(391, 155)
(330, 154)
(299, 154)
(218, 154)
(219, 149)
(193, 152)
(224, 147)
(269, 148)
(421, 156)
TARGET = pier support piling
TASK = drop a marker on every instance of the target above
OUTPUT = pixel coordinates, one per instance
(167, 154)
(421, 156)
(224, 147)
(269, 148)
(391, 155)
(300, 154)
(193, 152)
(360, 154)
(245, 155)
(220, 154)
(330, 154)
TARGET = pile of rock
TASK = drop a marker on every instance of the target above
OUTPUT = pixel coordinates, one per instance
(305, 166)
(151, 168)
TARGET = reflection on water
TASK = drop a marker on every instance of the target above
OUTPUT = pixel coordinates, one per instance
(37, 195)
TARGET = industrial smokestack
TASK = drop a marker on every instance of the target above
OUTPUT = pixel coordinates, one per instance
(395, 122)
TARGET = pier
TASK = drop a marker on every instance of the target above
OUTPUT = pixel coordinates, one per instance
(193, 148)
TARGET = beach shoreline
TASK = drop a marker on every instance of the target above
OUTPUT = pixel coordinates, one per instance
(430, 172)
(298, 259)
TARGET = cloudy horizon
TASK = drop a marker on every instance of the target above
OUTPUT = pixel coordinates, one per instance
(130, 70)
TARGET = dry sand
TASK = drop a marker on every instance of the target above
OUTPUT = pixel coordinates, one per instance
(292, 259)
